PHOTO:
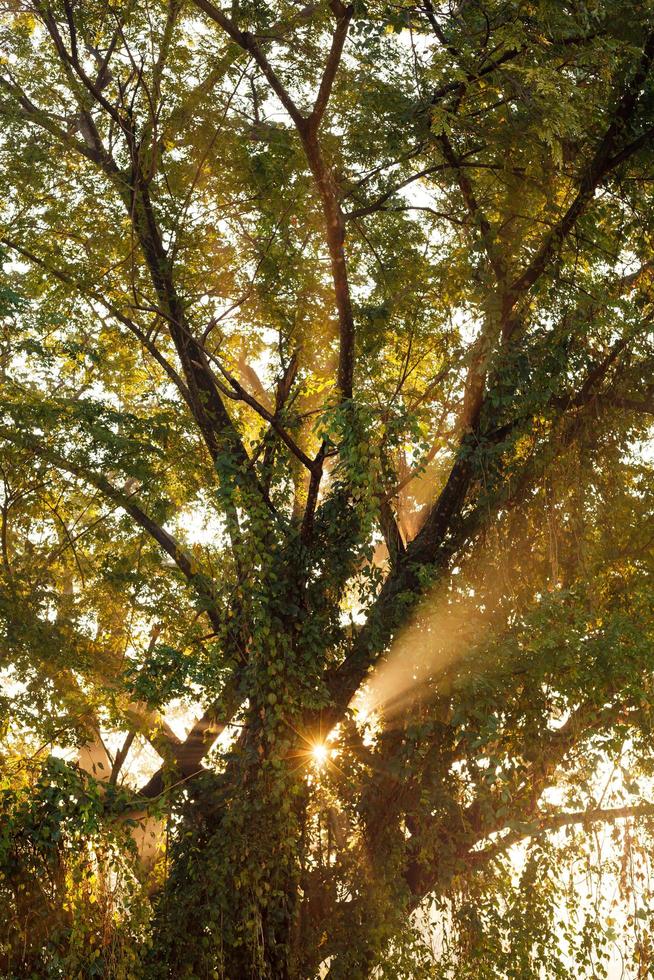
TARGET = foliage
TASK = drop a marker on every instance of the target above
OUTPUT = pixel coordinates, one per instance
(325, 403)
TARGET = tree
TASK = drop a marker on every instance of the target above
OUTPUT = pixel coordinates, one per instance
(326, 364)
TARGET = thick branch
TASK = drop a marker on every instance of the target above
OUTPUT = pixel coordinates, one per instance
(605, 159)
(553, 822)
(307, 128)
(189, 754)
(179, 555)
(344, 15)
(213, 420)
(248, 42)
(271, 417)
(474, 209)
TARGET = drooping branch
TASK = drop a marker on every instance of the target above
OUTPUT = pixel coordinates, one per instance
(484, 817)
(379, 202)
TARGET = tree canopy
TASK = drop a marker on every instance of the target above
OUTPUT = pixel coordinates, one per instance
(326, 525)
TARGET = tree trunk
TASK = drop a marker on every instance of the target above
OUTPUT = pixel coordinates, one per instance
(229, 907)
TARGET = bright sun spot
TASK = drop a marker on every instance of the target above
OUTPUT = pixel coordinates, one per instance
(320, 754)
